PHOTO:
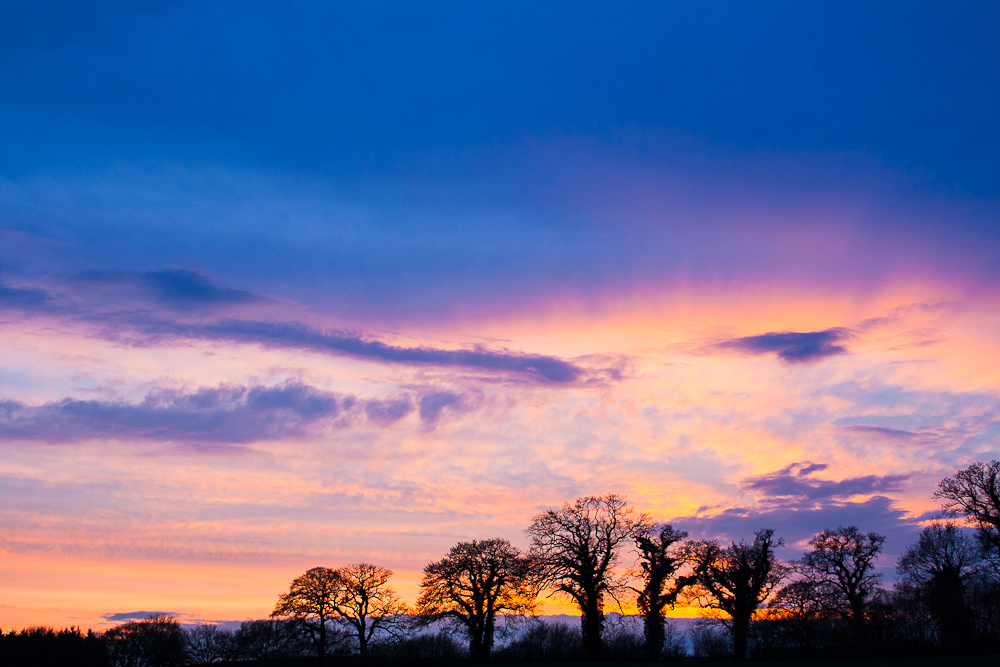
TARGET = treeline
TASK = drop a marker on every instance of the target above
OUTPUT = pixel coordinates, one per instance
(830, 603)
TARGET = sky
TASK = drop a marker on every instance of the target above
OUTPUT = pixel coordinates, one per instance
(297, 284)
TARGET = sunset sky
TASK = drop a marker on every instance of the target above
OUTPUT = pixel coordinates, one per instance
(297, 284)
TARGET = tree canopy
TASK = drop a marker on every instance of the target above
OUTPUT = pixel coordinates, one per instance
(577, 547)
(841, 562)
(975, 494)
(476, 582)
(312, 601)
(736, 579)
(661, 557)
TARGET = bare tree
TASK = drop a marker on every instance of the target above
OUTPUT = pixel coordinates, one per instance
(265, 640)
(975, 494)
(660, 561)
(577, 548)
(842, 564)
(207, 643)
(312, 601)
(367, 603)
(473, 584)
(798, 604)
(736, 579)
(939, 566)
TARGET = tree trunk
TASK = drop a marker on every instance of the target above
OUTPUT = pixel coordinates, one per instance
(858, 627)
(478, 651)
(740, 628)
(592, 624)
(321, 649)
(951, 613)
(653, 633)
(480, 639)
(362, 627)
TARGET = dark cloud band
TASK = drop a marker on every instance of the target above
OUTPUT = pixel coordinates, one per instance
(183, 289)
(293, 334)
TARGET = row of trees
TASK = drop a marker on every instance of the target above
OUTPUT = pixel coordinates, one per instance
(160, 641)
(576, 553)
(947, 596)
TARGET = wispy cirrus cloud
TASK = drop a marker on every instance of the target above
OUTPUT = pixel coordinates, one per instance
(791, 346)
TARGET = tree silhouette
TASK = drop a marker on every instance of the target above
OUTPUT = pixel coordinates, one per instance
(473, 584)
(660, 560)
(366, 602)
(736, 580)
(798, 604)
(939, 565)
(157, 641)
(208, 643)
(842, 564)
(311, 600)
(265, 639)
(577, 546)
(975, 494)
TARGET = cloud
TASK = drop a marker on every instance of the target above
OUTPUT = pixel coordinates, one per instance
(793, 484)
(184, 289)
(13, 297)
(136, 615)
(791, 346)
(294, 334)
(224, 414)
(179, 289)
(387, 412)
(880, 430)
(431, 405)
(797, 524)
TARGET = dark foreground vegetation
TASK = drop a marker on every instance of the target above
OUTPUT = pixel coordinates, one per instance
(477, 603)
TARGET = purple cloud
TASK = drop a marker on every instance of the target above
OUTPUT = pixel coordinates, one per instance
(184, 289)
(796, 524)
(294, 334)
(387, 412)
(791, 346)
(224, 414)
(431, 405)
(136, 615)
(793, 484)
